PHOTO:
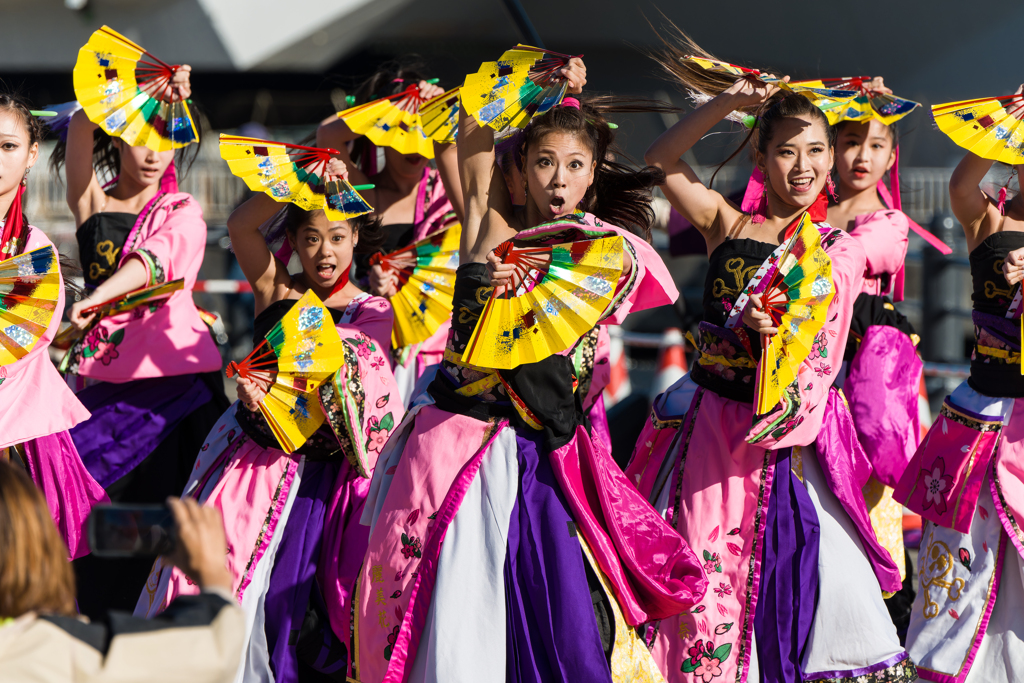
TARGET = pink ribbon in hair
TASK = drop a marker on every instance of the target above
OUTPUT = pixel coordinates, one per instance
(571, 102)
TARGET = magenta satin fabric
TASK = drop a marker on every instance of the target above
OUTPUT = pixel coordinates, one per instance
(847, 468)
(69, 489)
(343, 547)
(653, 571)
(882, 388)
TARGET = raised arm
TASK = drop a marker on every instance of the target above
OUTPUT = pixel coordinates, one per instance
(84, 194)
(706, 209)
(488, 208)
(969, 204)
(261, 268)
(447, 159)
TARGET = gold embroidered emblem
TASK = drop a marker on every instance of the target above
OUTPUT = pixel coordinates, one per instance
(935, 568)
(740, 276)
(104, 250)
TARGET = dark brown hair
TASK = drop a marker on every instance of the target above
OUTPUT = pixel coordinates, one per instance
(781, 105)
(35, 575)
(620, 194)
(18, 105)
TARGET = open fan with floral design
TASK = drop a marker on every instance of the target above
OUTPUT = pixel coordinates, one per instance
(989, 127)
(426, 282)
(126, 91)
(557, 294)
(394, 121)
(823, 97)
(121, 304)
(293, 173)
(867, 104)
(29, 291)
(796, 296)
(297, 355)
(440, 116)
(523, 83)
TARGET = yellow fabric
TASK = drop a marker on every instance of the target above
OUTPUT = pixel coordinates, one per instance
(631, 661)
(887, 521)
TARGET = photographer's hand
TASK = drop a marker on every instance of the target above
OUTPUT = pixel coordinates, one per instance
(200, 544)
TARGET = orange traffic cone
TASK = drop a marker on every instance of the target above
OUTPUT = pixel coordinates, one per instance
(619, 387)
(924, 410)
(671, 361)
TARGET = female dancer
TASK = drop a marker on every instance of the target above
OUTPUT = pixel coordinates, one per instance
(881, 375)
(36, 407)
(293, 517)
(776, 510)
(521, 516)
(965, 479)
(150, 376)
(412, 199)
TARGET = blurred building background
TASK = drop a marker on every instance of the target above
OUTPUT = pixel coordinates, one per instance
(287, 65)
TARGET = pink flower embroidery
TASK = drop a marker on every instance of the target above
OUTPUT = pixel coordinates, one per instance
(377, 363)
(696, 652)
(722, 348)
(823, 370)
(708, 669)
(937, 485)
(713, 563)
(378, 437)
(723, 590)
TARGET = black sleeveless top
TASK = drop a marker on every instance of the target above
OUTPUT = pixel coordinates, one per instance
(546, 387)
(991, 294)
(322, 445)
(731, 265)
(101, 239)
(992, 373)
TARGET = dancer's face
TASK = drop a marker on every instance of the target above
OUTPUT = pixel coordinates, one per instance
(404, 165)
(324, 248)
(797, 161)
(141, 164)
(17, 154)
(559, 168)
(864, 153)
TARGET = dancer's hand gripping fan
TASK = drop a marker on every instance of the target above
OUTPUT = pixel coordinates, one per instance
(29, 290)
(126, 92)
(120, 304)
(398, 121)
(556, 295)
(298, 354)
(293, 173)
(824, 98)
(426, 277)
(867, 104)
(989, 127)
(522, 84)
(796, 297)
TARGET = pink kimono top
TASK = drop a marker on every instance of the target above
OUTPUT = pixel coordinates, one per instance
(883, 236)
(723, 465)
(34, 400)
(168, 337)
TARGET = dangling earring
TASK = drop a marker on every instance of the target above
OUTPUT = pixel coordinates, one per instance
(761, 210)
(830, 184)
(24, 178)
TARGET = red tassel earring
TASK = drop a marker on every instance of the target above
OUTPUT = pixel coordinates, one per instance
(830, 184)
